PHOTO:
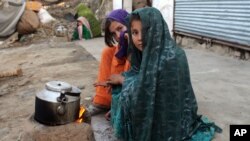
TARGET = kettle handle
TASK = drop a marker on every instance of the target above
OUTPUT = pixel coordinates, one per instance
(74, 92)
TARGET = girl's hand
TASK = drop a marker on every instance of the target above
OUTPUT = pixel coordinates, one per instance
(115, 79)
(126, 36)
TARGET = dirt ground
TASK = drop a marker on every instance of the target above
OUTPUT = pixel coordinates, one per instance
(41, 63)
(44, 57)
(64, 15)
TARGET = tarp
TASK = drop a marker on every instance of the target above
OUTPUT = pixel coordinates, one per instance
(10, 13)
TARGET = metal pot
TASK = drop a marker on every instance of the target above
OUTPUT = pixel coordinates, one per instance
(58, 103)
(61, 31)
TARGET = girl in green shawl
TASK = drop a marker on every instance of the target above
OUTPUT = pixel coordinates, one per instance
(83, 30)
(157, 101)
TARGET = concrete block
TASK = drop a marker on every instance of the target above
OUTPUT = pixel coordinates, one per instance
(102, 129)
(237, 53)
(178, 40)
(247, 55)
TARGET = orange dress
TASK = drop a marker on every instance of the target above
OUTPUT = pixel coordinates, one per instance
(109, 65)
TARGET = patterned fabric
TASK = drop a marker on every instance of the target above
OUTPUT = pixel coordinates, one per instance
(157, 101)
(123, 43)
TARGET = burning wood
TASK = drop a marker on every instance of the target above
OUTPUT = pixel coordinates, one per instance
(81, 115)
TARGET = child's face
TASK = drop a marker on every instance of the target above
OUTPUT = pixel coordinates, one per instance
(116, 28)
(136, 31)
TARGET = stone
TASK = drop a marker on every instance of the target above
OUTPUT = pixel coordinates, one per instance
(81, 87)
(247, 55)
(4, 86)
(27, 93)
(237, 53)
(72, 132)
(23, 82)
(231, 51)
(45, 79)
(88, 98)
(178, 40)
(3, 132)
(4, 89)
(203, 46)
(227, 49)
(102, 128)
(218, 49)
(4, 92)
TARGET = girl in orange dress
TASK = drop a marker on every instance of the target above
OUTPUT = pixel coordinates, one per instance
(113, 59)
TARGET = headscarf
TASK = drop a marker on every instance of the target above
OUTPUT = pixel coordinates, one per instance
(157, 99)
(120, 15)
(85, 22)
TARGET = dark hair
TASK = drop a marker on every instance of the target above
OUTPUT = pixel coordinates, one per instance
(149, 3)
(108, 38)
(134, 17)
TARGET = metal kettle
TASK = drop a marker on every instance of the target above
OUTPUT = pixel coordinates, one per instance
(58, 103)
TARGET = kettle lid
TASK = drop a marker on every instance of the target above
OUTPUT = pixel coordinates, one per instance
(58, 86)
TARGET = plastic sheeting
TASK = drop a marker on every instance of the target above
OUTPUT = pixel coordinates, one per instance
(10, 13)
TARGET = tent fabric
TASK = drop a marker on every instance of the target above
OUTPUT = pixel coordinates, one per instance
(10, 13)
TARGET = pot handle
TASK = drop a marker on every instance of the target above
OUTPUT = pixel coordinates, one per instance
(74, 92)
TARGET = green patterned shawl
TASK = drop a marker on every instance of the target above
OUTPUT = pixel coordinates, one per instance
(157, 102)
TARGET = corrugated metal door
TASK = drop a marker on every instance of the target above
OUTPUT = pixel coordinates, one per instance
(227, 20)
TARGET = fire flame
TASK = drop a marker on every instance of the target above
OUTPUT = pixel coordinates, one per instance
(81, 113)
